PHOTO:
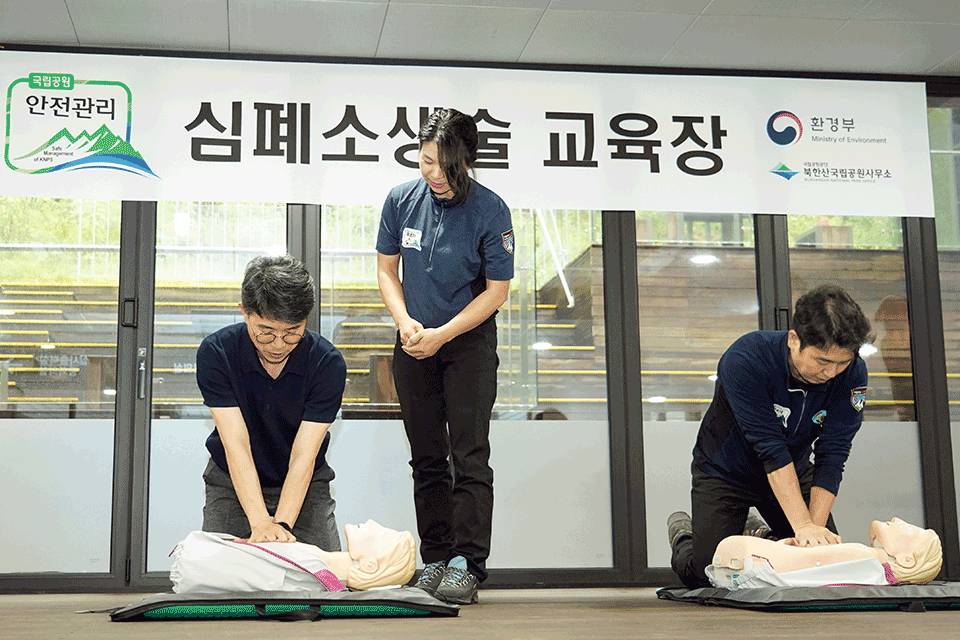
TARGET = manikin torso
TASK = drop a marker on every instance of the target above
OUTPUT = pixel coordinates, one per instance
(218, 563)
(735, 552)
(746, 561)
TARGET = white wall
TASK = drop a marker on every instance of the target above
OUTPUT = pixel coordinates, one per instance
(551, 487)
(57, 479)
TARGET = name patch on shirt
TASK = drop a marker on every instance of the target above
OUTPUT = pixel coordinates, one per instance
(411, 239)
(507, 237)
(858, 398)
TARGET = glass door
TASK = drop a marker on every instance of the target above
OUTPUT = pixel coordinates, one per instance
(696, 279)
(59, 275)
(865, 256)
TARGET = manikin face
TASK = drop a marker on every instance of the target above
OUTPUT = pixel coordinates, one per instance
(368, 539)
(260, 328)
(432, 170)
(898, 538)
(815, 365)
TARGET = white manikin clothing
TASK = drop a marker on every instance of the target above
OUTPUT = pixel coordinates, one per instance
(867, 571)
(219, 563)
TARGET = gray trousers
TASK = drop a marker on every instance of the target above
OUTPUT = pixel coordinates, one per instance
(315, 525)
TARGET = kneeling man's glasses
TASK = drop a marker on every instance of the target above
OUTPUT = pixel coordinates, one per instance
(265, 337)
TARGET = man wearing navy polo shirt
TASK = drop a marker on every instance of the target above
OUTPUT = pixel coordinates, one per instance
(780, 396)
(273, 388)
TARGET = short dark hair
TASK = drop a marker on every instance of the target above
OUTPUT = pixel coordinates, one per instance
(278, 288)
(456, 136)
(827, 316)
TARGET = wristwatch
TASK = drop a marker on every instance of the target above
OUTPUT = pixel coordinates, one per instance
(285, 526)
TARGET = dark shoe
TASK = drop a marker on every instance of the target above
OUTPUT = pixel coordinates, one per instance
(431, 577)
(459, 586)
(678, 526)
(757, 528)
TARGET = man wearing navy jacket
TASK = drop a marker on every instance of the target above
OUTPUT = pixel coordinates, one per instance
(780, 396)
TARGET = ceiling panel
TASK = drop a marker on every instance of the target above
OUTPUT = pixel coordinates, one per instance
(628, 38)
(949, 67)
(749, 42)
(443, 32)
(37, 21)
(886, 47)
(161, 24)
(869, 36)
(306, 28)
(685, 7)
(938, 11)
(828, 9)
(502, 4)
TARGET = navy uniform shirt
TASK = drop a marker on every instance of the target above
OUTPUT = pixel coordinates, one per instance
(448, 253)
(310, 387)
(761, 418)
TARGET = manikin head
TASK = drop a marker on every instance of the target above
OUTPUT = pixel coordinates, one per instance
(381, 556)
(916, 552)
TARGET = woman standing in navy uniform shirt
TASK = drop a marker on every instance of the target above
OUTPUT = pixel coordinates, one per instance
(455, 238)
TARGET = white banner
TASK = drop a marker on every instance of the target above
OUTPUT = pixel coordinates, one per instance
(163, 128)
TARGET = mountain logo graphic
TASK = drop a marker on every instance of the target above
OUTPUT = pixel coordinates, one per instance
(101, 149)
(784, 172)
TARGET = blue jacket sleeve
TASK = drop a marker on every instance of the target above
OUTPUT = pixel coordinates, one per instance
(832, 447)
(746, 381)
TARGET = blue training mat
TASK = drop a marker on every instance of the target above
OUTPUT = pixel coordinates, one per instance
(906, 597)
(284, 605)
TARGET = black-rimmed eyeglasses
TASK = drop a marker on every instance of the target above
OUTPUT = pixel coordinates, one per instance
(266, 337)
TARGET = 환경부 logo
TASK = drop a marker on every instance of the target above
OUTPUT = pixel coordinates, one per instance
(784, 128)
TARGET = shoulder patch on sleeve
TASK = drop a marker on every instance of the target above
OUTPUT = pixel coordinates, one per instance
(507, 238)
(858, 398)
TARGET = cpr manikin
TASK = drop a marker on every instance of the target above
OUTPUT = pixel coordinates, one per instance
(218, 563)
(906, 554)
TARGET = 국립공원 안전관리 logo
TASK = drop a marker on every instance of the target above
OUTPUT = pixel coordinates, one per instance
(56, 122)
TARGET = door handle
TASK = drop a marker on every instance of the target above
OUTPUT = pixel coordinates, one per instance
(142, 373)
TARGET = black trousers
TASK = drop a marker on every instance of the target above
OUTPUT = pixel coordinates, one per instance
(720, 509)
(445, 402)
